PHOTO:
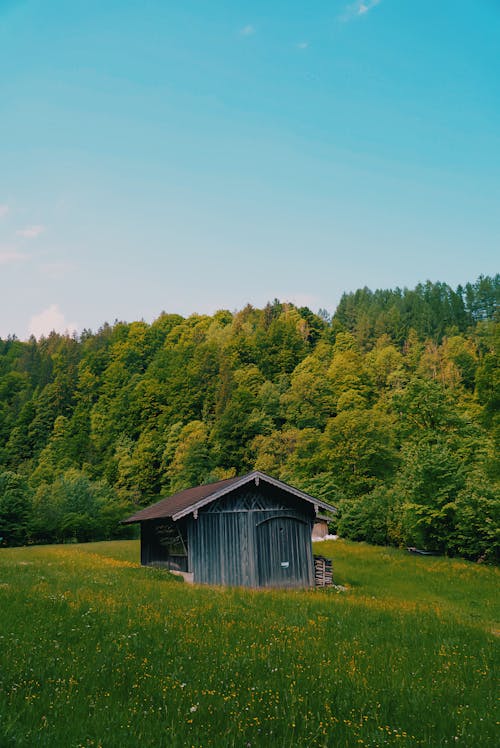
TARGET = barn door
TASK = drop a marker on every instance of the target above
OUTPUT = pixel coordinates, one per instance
(284, 552)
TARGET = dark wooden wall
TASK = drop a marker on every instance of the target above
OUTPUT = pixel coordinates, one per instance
(255, 537)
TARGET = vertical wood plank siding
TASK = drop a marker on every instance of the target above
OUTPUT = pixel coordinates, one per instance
(284, 552)
(253, 538)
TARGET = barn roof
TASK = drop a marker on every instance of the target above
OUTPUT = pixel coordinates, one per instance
(192, 499)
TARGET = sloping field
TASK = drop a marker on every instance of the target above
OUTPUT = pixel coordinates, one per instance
(97, 651)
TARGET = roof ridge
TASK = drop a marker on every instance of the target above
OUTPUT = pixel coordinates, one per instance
(189, 500)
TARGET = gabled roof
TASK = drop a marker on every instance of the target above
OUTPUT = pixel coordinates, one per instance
(189, 501)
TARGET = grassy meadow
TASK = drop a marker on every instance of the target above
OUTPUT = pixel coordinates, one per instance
(97, 651)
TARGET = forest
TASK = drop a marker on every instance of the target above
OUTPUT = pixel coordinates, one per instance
(388, 409)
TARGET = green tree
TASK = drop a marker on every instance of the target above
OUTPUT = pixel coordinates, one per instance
(309, 401)
(374, 517)
(358, 450)
(15, 508)
(431, 478)
(477, 520)
(192, 462)
(241, 420)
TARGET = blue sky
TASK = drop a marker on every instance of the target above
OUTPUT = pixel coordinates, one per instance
(191, 156)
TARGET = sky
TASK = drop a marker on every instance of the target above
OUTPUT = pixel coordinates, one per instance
(191, 156)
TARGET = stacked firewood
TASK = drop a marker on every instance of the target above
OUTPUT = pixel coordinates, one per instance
(323, 571)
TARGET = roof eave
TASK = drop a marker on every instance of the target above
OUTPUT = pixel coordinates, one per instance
(297, 492)
(248, 479)
(211, 497)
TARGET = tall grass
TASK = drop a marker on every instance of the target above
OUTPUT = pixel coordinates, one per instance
(98, 651)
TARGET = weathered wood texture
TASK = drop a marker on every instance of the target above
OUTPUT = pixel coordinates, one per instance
(320, 529)
(255, 537)
(323, 571)
(252, 531)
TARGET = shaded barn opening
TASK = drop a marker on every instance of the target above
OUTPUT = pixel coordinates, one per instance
(164, 543)
(252, 531)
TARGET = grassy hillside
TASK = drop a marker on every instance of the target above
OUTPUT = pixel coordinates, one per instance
(97, 651)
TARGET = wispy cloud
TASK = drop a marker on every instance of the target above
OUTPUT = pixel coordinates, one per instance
(359, 8)
(9, 256)
(49, 320)
(248, 30)
(4, 209)
(366, 6)
(302, 45)
(31, 232)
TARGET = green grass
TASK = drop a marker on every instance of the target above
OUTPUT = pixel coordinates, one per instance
(97, 651)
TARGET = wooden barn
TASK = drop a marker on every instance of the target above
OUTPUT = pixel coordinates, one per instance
(252, 531)
(320, 528)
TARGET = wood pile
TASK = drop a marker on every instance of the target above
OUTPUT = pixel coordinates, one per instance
(323, 571)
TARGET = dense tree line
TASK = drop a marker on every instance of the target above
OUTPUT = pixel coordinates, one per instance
(389, 410)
